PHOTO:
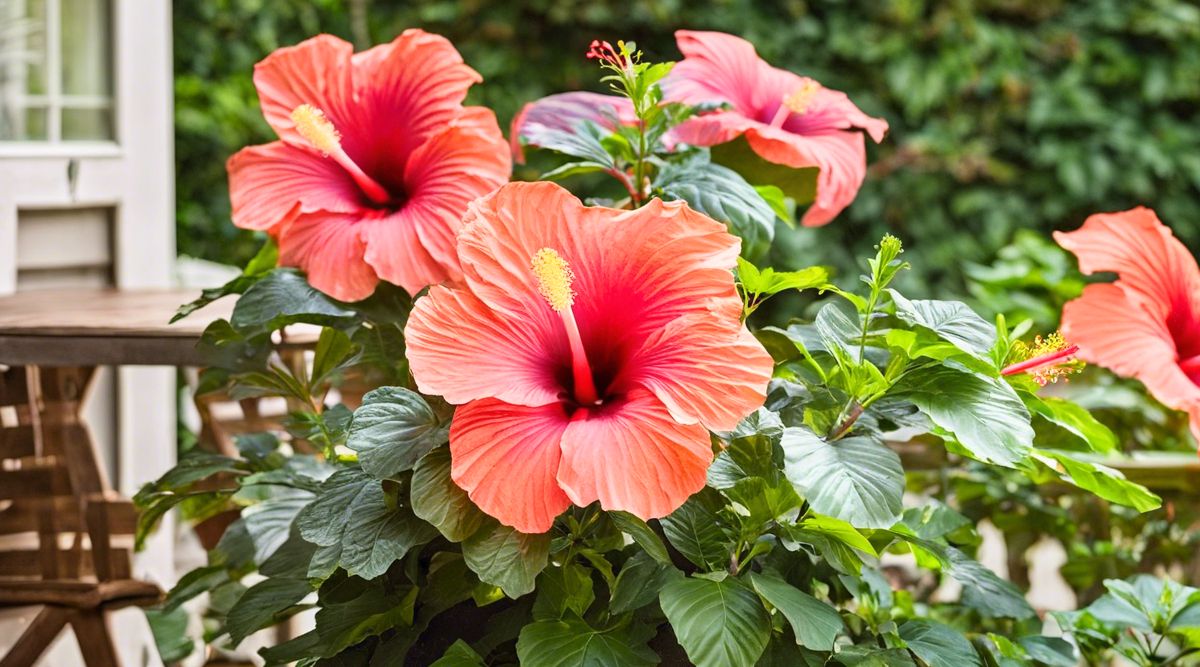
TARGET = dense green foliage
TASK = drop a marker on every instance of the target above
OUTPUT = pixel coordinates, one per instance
(1005, 114)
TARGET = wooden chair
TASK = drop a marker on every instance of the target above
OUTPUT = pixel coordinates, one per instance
(59, 549)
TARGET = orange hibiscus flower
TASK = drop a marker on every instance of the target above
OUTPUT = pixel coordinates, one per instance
(376, 163)
(1145, 325)
(589, 351)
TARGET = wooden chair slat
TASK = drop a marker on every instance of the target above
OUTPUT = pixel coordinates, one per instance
(21, 515)
(38, 481)
(18, 441)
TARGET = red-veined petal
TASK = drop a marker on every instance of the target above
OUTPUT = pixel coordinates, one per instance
(460, 349)
(506, 458)
(329, 248)
(269, 183)
(633, 457)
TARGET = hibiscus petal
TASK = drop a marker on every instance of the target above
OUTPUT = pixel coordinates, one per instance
(1114, 331)
(270, 183)
(635, 268)
(704, 370)
(415, 247)
(459, 349)
(841, 158)
(329, 248)
(316, 72)
(717, 67)
(633, 457)
(564, 112)
(1150, 262)
(506, 457)
(407, 90)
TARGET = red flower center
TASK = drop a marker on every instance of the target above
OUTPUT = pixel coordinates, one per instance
(317, 130)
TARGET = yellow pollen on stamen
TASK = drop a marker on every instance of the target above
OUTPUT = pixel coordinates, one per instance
(799, 99)
(554, 278)
(312, 124)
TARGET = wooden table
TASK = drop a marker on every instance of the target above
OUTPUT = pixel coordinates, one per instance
(66, 334)
(86, 327)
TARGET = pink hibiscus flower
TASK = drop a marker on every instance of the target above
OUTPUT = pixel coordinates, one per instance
(376, 163)
(1146, 324)
(787, 119)
(589, 351)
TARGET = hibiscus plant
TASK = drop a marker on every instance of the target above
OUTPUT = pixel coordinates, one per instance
(581, 446)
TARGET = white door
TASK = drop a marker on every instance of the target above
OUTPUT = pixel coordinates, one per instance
(87, 199)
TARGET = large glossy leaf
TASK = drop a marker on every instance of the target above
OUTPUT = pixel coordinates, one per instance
(939, 645)
(374, 529)
(856, 479)
(284, 297)
(1074, 418)
(460, 654)
(982, 589)
(695, 532)
(719, 623)
(983, 413)
(721, 194)
(392, 430)
(571, 642)
(505, 557)
(441, 502)
(953, 321)
(641, 533)
(261, 606)
(815, 624)
(1101, 480)
(638, 582)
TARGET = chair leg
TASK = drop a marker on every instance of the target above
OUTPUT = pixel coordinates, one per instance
(32, 644)
(95, 640)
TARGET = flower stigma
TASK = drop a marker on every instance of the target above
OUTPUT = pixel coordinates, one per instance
(554, 279)
(312, 124)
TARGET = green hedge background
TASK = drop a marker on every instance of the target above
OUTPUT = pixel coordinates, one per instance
(1005, 114)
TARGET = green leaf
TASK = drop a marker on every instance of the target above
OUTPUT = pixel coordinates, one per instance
(441, 502)
(815, 624)
(778, 203)
(283, 297)
(195, 582)
(1074, 418)
(718, 623)
(270, 522)
(799, 184)
(695, 532)
(638, 583)
(170, 634)
(837, 330)
(562, 591)
(508, 558)
(768, 281)
(870, 656)
(355, 609)
(641, 533)
(983, 591)
(953, 321)
(571, 642)
(983, 413)
(856, 479)
(373, 528)
(333, 352)
(573, 169)
(262, 605)
(1101, 480)
(263, 261)
(392, 430)
(460, 654)
(1050, 651)
(938, 645)
(721, 194)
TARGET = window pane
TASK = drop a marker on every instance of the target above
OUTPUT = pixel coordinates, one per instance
(86, 48)
(86, 124)
(22, 69)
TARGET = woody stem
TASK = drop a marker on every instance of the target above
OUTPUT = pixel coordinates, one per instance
(585, 386)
